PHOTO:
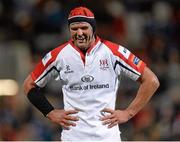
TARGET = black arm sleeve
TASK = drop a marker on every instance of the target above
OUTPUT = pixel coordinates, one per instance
(39, 100)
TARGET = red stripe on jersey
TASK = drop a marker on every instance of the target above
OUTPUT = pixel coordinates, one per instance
(80, 52)
(96, 41)
(130, 61)
(139, 67)
(89, 49)
(115, 47)
(39, 69)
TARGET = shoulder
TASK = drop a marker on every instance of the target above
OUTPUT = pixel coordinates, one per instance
(112, 46)
(115, 48)
(52, 55)
(58, 49)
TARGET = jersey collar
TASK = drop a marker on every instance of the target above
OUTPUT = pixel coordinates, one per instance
(90, 48)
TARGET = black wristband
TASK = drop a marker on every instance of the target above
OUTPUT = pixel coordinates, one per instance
(39, 101)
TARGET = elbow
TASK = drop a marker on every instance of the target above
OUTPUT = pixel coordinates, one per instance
(25, 87)
(155, 82)
(28, 85)
(150, 80)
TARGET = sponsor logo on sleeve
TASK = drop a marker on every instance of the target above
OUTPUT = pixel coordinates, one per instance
(46, 58)
(125, 52)
(136, 60)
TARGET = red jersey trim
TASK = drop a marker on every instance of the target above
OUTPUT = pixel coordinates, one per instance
(88, 51)
(95, 43)
(39, 69)
(79, 51)
(114, 48)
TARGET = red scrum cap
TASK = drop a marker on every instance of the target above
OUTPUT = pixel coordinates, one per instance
(82, 14)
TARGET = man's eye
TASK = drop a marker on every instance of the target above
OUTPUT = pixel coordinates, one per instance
(84, 28)
(74, 29)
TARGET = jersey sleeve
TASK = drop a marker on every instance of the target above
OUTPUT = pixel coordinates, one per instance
(127, 63)
(45, 70)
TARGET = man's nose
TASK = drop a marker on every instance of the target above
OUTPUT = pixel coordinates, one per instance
(79, 32)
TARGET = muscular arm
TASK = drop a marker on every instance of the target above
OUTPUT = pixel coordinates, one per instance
(38, 99)
(148, 86)
(28, 84)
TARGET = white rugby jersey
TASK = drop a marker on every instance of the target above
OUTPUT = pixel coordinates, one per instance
(90, 83)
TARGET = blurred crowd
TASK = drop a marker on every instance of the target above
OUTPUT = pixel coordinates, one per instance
(150, 29)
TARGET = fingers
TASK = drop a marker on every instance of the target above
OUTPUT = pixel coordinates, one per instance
(108, 116)
(113, 124)
(110, 122)
(63, 118)
(71, 112)
(67, 121)
(108, 110)
(72, 118)
(66, 124)
(110, 119)
(69, 117)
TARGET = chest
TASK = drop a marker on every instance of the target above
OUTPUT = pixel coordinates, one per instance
(92, 67)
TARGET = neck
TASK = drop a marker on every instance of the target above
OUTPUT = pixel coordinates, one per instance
(84, 51)
(92, 42)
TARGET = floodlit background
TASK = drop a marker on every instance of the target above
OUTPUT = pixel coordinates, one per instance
(149, 28)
